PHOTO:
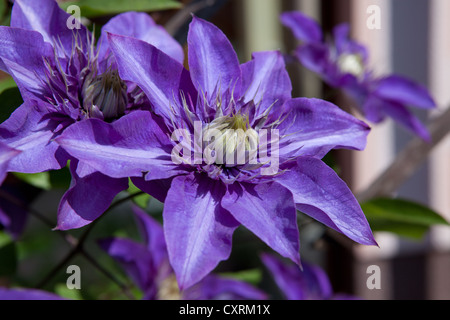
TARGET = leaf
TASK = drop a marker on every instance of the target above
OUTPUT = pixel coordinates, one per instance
(96, 8)
(10, 100)
(402, 217)
(8, 255)
(141, 200)
(71, 294)
(7, 83)
(39, 180)
(252, 276)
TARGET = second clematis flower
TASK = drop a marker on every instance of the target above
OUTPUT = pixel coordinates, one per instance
(343, 63)
(173, 153)
(65, 77)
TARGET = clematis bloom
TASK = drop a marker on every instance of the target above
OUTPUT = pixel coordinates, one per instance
(206, 200)
(148, 265)
(343, 64)
(64, 78)
(308, 283)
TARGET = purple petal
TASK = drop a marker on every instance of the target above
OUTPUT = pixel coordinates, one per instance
(153, 234)
(213, 63)
(311, 283)
(198, 230)
(313, 127)
(268, 211)
(219, 288)
(316, 57)
(6, 154)
(157, 74)
(135, 259)
(156, 188)
(28, 132)
(319, 192)
(304, 28)
(47, 18)
(27, 294)
(87, 199)
(128, 147)
(141, 26)
(266, 81)
(405, 117)
(404, 91)
(21, 55)
(346, 46)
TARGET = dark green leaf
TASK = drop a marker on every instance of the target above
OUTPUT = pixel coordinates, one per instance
(141, 200)
(96, 8)
(402, 217)
(10, 99)
(39, 180)
(8, 256)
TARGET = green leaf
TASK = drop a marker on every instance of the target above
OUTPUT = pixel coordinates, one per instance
(141, 200)
(252, 276)
(8, 254)
(96, 8)
(71, 294)
(7, 83)
(39, 180)
(402, 217)
(10, 99)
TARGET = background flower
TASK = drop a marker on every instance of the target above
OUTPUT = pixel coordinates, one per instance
(343, 63)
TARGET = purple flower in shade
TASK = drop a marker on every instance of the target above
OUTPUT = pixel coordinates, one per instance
(343, 64)
(65, 78)
(27, 294)
(308, 283)
(148, 266)
(205, 201)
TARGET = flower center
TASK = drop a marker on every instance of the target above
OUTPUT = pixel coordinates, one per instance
(105, 95)
(230, 140)
(168, 289)
(351, 63)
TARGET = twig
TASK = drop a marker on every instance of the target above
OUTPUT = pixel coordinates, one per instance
(408, 160)
(77, 244)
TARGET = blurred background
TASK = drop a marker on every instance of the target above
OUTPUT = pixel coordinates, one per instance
(413, 40)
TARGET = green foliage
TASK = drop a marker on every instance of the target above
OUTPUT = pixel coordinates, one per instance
(8, 254)
(10, 100)
(96, 8)
(402, 217)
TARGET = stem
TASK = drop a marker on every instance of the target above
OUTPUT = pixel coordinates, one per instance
(77, 245)
(408, 160)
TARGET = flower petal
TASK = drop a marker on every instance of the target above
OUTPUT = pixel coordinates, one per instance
(404, 91)
(304, 28)
(27, 131)
(406, 118)
(135, 259)
(268, 211)
(313, 127)
(297, 284)
(21, 55)
(47, 18)
(6, 154)
(319, 192)
(266, 81)
(213, 63)
(153, 234)
(198, 230)
(27, 294)
(213, 287)
(141, 26)
(128, 147)
(157, 74)
(87, 198)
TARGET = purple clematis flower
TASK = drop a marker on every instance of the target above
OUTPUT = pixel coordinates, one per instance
(343, 64)
(205, 198)
(65, 78)
(311, 283)
(148, 265)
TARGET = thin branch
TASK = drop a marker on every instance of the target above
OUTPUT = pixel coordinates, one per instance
(77, 244)
(408, 160)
